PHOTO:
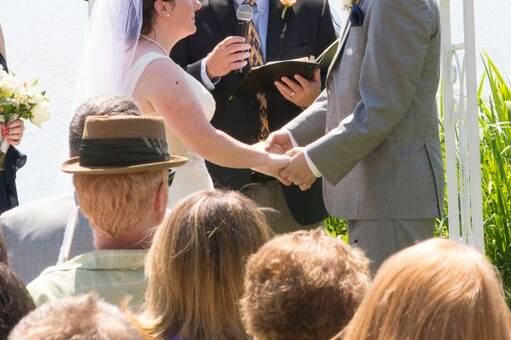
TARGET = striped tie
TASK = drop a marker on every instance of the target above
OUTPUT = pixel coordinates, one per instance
(256, 59)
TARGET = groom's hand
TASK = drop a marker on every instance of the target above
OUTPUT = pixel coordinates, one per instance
(298, 171)
(278, 142)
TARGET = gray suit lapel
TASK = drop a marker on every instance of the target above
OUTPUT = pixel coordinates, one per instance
(342, 41)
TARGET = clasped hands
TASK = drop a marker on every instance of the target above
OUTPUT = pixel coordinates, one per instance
(297, 171)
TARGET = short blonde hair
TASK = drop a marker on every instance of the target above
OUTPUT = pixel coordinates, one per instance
(437, 289)
(195, 267)
(303, 285)
(113, 203)
(78, 317)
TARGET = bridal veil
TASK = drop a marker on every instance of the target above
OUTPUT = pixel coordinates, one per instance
(109, 48)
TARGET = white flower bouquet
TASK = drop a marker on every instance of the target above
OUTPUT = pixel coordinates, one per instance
(20, 100)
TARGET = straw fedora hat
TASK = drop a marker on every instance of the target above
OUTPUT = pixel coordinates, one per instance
(122, 145)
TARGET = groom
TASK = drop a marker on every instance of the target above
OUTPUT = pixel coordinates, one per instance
(373, 133)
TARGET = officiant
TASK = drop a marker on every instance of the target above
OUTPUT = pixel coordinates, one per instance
(282, 29)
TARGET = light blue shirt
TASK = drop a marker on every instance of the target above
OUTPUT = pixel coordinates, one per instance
(260, 19)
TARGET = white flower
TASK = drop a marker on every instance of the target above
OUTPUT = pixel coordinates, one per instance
(40, 113)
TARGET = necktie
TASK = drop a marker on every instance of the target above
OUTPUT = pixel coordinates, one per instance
(256, 59)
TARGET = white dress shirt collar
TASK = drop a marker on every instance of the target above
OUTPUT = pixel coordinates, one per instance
(262, 5)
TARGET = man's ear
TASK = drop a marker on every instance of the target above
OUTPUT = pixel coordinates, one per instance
(160, 201)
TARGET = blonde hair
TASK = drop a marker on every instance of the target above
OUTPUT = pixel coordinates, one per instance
(78, 317)
(437, 289)
(113, 203)
(195, 267)
(303, 285)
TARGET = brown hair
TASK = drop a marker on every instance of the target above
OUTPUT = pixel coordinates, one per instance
(4, 256)
(15, 301)
(101, 106)
(437, 289)
(113, 203)
(78, 317)
(195, 267)
(148, 15)
(303, 285)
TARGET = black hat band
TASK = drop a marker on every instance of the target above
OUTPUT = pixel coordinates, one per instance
(121, 152)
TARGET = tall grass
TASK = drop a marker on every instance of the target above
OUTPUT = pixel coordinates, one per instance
(494, 99)
(495, 122)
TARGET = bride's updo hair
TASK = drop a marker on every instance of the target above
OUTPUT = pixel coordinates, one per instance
(148, 15)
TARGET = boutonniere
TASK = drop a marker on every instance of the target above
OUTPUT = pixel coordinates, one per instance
(287, 4)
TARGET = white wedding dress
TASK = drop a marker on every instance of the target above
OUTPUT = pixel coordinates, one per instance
(193, 175)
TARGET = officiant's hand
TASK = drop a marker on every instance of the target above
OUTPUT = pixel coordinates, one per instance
(300, 91)
(229, 55)
(13, 131)
(278, 140)
(298, 171)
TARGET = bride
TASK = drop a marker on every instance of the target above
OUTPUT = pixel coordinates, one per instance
(127, 52)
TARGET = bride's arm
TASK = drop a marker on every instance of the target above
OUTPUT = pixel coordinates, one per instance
(163, 85)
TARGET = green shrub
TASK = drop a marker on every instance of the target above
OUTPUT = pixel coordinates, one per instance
(495, 123)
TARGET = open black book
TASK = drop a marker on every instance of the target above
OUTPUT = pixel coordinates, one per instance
(261, 79)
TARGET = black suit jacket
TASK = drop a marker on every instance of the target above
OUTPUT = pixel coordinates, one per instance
(306, 30)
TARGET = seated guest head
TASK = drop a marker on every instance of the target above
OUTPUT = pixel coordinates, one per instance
(119, 187)
(303, 285)
(437, 289)
(79, 317)
(195, 267)
(15, 301)
(100, 106)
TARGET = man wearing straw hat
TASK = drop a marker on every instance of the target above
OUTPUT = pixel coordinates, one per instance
(120, 180)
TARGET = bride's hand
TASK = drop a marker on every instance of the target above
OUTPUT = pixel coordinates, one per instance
(273, 149)
(276, 162)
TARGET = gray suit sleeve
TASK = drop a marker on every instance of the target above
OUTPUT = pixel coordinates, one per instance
(311, 123)
(398, 37)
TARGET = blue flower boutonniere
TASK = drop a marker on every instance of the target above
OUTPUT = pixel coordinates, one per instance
(287, 4)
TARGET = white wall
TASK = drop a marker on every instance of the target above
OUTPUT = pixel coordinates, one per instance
(43, 41)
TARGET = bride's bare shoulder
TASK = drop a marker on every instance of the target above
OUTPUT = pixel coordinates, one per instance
(165, 70)
(164, 80)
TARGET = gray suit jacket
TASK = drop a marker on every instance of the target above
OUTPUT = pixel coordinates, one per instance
(34, 234)
(373, 133)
